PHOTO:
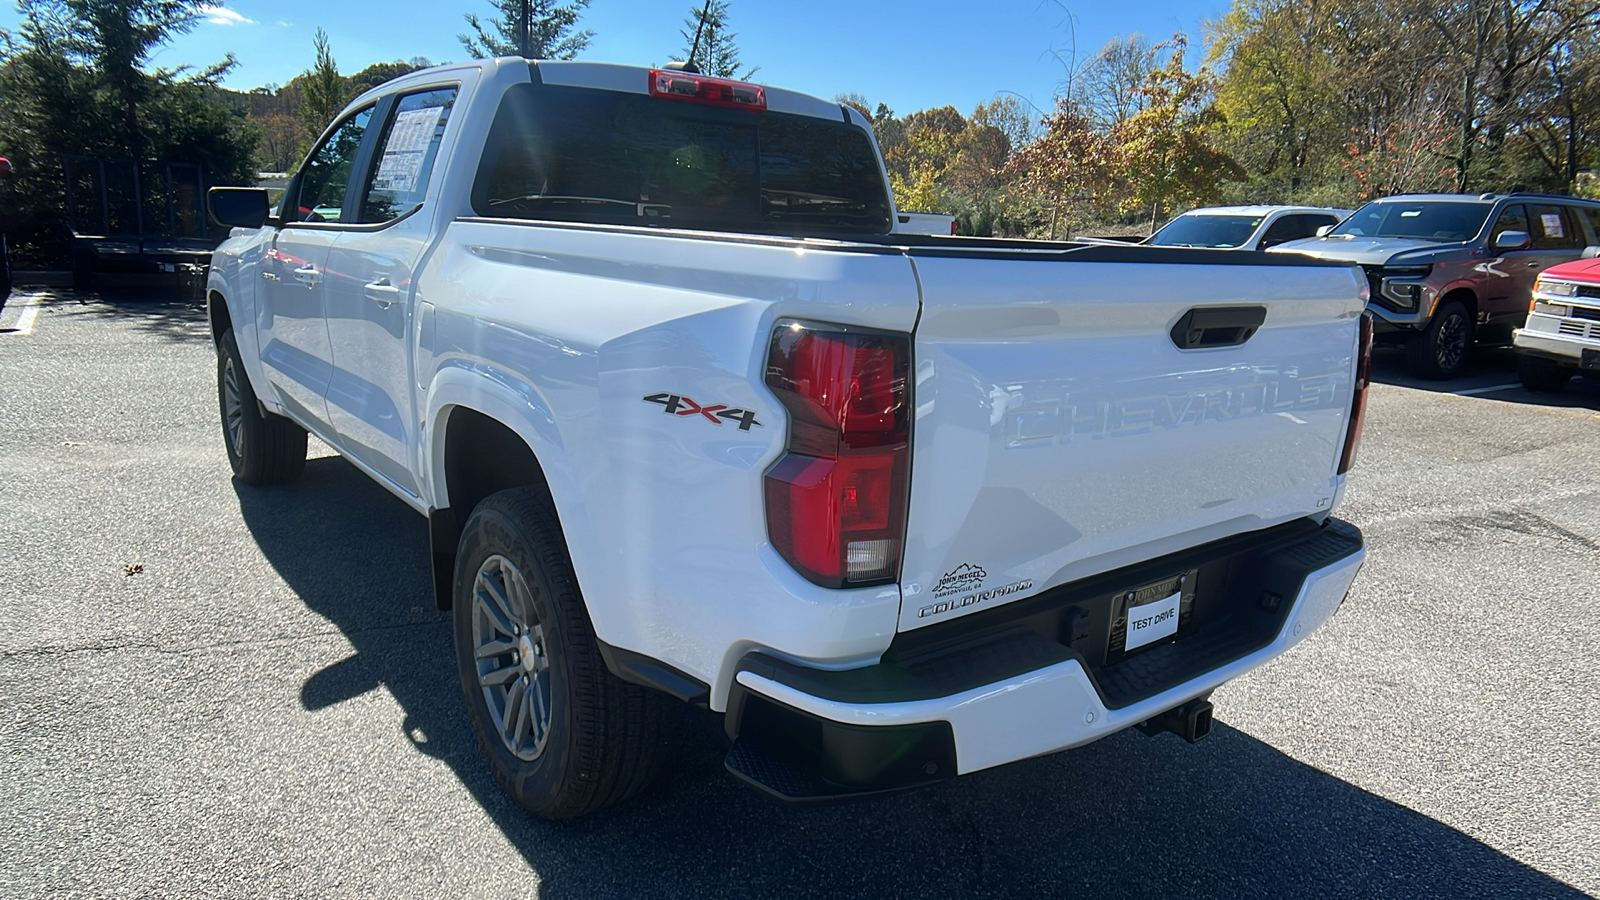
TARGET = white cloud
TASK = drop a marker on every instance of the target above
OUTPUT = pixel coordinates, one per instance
(216, 15)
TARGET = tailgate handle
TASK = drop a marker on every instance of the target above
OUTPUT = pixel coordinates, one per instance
(1217, 326)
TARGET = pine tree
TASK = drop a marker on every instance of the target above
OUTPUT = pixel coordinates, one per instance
(553, 32)
(116, 37)
(716, 54)
(324, 89)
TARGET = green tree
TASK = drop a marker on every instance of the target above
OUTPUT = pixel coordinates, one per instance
(1070, 169)
(323, 89)
(74, 81)
(716, 54)
(1167, 152)
(553, 31)
(115, 37)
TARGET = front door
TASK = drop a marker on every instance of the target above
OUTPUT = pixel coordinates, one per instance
(372, 299)
(295, 350)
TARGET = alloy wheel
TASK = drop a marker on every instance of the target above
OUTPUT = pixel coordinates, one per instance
(513, 662)
(1452, 343)
(232, 407)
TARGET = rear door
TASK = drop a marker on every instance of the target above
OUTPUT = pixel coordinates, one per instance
(1061, 431)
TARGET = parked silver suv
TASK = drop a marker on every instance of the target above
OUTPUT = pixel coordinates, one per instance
(1447, 270)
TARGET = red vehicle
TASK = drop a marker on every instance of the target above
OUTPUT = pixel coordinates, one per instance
(1562, 334)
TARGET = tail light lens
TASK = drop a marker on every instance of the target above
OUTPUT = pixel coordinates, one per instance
(1358, 408)
(836, 499)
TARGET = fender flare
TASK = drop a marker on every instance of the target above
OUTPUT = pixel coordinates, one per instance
(516, 405)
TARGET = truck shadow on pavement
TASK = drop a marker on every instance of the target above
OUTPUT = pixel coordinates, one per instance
(1130, 816)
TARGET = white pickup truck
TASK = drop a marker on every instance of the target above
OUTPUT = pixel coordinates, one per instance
(688, 419)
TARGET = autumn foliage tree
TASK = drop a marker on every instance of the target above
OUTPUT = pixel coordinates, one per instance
(1167, 153)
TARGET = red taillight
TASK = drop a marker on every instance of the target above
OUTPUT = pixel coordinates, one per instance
(711, 91)
(1358, 408)
(836, 501)
(952, 226)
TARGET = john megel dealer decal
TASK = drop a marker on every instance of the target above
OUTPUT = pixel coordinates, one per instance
(963, 578)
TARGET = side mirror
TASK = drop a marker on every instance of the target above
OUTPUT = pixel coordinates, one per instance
(1591, 252)
(1512, 240)
(238, 207)
(1322, 230)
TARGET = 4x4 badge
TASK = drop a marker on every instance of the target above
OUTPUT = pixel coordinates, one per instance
(716, 414)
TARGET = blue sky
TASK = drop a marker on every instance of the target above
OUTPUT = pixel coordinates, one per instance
(910, 54)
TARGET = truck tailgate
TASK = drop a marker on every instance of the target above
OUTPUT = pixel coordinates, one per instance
(1060, 431)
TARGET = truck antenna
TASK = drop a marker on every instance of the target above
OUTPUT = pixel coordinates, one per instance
(525, 29)
(695, 47)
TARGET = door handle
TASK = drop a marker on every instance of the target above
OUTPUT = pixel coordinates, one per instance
(382, 293)
(307, 275)
(1217, 326)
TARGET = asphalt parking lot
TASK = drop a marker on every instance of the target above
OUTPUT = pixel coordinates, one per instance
(213, 690)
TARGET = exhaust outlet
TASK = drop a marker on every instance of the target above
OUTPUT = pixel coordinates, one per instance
(1191, 721)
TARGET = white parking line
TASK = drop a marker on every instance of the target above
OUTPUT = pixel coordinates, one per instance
(27, 311)
(1485, 390)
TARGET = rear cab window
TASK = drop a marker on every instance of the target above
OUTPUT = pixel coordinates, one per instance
(606, 157)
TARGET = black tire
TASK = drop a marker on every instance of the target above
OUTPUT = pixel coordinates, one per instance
(263, 448)
(1441, 350)
(1546, 376)
(5, 272)
(602, 737)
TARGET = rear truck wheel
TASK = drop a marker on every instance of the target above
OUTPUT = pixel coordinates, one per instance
(1545, 376)
(1440, 351)
(563, 736)
(263, 448)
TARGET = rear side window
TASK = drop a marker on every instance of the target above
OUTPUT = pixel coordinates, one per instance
(405, 155)
(1593, 215)
(1552, 230)
(582, 155)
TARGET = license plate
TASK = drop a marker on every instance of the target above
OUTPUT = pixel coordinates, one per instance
(1149, 614)
(1153, 621)
(1590, 359)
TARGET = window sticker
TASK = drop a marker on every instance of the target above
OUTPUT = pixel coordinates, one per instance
(1552, 225)
(1410, 213)
(409, 140)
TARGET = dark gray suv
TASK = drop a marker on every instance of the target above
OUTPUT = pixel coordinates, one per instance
(1448, 270)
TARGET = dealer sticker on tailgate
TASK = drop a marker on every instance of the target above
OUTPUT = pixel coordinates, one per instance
(1153, 621)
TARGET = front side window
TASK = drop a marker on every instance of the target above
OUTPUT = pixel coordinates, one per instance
(1219, 232)
(1429, 220)
(405, 155)
(326, 174)
(584, 155)
(1512, 218)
